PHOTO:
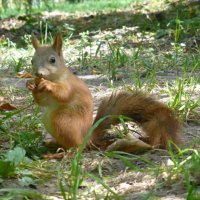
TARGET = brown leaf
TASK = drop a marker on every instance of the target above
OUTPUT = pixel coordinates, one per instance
(58, 156)
(129, 145)
(7, 107)
(24, 75)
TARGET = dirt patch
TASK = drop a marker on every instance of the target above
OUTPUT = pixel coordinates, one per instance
(122, 50)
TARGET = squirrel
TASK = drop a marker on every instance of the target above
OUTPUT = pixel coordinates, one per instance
(68, 104)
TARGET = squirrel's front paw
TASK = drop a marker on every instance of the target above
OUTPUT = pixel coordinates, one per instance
(30, 85)
(45, 85)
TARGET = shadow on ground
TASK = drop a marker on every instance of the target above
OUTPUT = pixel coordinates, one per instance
(188, 14)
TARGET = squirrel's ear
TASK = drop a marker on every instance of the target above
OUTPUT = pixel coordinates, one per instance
(57, 45)
(35, 42)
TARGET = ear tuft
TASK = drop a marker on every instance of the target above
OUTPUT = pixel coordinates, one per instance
(57, 45)
(35, 42)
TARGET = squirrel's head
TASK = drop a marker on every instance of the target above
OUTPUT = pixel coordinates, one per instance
(48, 62)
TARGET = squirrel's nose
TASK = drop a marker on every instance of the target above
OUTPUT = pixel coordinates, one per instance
(38, 74)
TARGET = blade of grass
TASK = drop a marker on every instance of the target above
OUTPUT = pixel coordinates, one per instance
(99, 180)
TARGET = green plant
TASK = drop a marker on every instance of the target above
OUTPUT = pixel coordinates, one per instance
(16, 165)
(10, 162)
(181, 99)
(7, 169)
(8, 43)
(18, 64)
(187, 162)
(13, 193)
(117, 59)
(26, 136)
(84, 48)
(31, 142)
(69, 186)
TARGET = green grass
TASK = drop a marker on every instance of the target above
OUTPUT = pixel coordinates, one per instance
(90, 5)
(83, 6)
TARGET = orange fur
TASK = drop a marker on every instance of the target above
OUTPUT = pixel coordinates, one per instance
(66, 99)
(157, 120)
(68, 104)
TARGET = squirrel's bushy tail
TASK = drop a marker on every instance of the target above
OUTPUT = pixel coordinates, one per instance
(157, 120)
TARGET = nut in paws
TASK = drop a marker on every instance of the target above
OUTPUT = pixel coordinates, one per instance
(45, 85)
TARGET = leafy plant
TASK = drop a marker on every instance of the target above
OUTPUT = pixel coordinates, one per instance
(31, 142)
(187, 165)
(7, 169)
(16, 156)
(10, 162)
(116, 60)
(182, 101)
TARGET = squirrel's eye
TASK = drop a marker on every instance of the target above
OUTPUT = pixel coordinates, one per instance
(52, 60)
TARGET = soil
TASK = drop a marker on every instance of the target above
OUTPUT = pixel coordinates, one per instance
(134, 183)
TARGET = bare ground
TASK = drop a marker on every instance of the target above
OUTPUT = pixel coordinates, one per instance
(121, 179)
(134, 183)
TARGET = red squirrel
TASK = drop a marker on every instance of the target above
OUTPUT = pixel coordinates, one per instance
(68, 104)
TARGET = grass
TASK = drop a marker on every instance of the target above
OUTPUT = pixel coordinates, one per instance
(83, 6)
(157, 54)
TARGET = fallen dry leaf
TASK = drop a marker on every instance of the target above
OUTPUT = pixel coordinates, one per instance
(7, 107)
(129, 145)
(24, 75)
(58, 156)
